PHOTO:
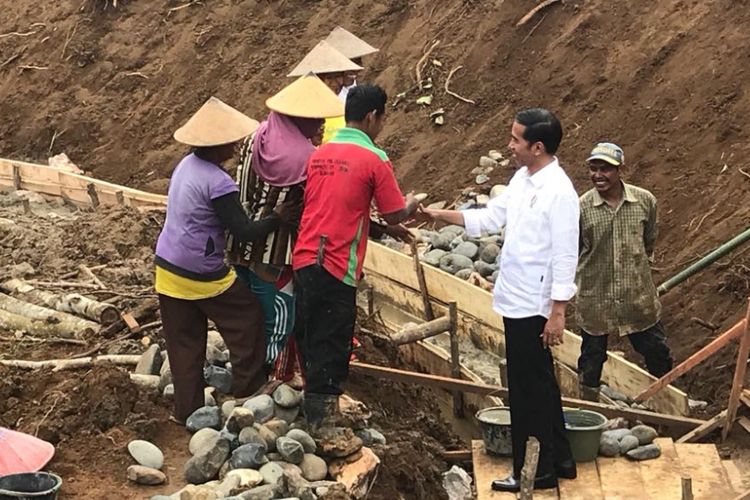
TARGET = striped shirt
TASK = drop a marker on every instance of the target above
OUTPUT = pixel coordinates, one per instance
(616, 292)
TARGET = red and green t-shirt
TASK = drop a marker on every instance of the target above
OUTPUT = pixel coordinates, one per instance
(343, 176)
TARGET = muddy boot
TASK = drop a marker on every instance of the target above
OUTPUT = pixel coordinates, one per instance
(588, 393)
(320, 411)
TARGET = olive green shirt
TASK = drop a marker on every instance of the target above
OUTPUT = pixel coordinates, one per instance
(616, 293)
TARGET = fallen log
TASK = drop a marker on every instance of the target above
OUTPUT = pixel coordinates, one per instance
(423, 331)
(74, 303)
(16, 322)
(71, 364)
(34, 312)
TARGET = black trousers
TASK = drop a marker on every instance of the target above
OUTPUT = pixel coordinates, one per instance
(650, 343)
(535, 406)
(326, 312)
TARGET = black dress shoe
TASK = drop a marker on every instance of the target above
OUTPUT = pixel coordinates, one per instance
(512, 484)
(566, 469)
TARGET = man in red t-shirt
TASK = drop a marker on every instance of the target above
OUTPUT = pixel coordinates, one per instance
(343, 177)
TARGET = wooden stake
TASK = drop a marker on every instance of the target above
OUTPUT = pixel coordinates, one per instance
(26, 206)
(687, 488)
(528, 473)
(458, 396)
(16, 177)
(422, 331)
(120, 197)
(93, 195)
(428, 313)
(693, 361)
(702, 430)
(739, 377)
(370, 301)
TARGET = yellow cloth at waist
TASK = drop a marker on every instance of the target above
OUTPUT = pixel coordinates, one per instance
(178, 287)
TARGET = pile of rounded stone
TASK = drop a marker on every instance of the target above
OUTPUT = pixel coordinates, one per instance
(453, 251)
(258, 449)
(636, 443)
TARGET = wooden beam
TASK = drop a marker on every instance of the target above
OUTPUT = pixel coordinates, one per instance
(451, 384)
(475, 305)
(706, 428)
(709, 350)
(739, 376)
(423, 331)
(16, 177)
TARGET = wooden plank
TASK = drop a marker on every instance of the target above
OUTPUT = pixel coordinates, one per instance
(743, 353)
(662, 476)
(704, 429)
(586, 486)
(619, 373)
(484, 389)
(620, 479)
(486, 469)
(701, 462)
(739, 481)
(745, 398)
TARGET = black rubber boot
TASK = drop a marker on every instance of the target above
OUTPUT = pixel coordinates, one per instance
(589, 393)
(320, 410)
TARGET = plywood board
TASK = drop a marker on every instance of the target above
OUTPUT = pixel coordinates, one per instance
(477, 303)
(488, 468)
(586, 486)
(620, 479)
(663, 476)
(702, 464)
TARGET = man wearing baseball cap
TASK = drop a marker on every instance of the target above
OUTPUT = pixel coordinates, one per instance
(616, 293)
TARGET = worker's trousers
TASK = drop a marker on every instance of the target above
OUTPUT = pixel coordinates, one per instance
(650, 343)
(535, 406)
(238, 317)
(327, 311)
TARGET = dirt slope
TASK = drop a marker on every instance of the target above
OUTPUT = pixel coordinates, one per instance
(664, 79)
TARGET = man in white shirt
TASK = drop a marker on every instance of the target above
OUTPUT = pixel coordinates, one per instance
(540, 212)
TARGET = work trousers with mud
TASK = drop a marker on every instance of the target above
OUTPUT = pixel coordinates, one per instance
(326, 311)
(238, 317)
(535, 405)
(650, 343)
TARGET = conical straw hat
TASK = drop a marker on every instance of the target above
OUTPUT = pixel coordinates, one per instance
(324, 59)
(21, 452)
(349, 44)
(307, 97)
(214, 124)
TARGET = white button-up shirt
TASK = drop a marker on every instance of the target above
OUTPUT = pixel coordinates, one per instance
(540, 253)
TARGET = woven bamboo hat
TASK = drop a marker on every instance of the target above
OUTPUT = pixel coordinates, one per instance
(214, 124)
(349, 44)
(20, 452)
(324, 59)
(307, 97)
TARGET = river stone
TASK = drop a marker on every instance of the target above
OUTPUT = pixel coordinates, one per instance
(494, 276)
(614, 394)
(228, 406)
(218, 377)
(215, 339)
(168, 392)
(483, 200)
(644, 433)
(203, 439)
(644, 452)
(442, 241)
(288, 415)
(251, 435)
(609, 446)
(488, 161)
(467, 249)
(456, 241)
(208, 416)
(193, 492)
(145, 475)
(150, 362)
(628, 443)
(482, 179)
(370, 437)
(165, 374)
(490, 253)
(146, 454)
(287, 397)
(453, 263)
(239, 419)
(216, 356)
(297, 485)
(265, 492)
(248, 456)
(485, 270)
(268, 435)
(433, 257)
(337, 442)
(277, 426)
(617, 434)
(464, 274)
(248, 478)
(303, 438)
(261, 406)
(291, 450)
(272, 473)
(204, 466)
(313, 467)
(232, 438)
(452, 229)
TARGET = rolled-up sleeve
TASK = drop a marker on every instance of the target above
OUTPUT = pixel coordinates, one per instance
(487, 220)
(565, 233)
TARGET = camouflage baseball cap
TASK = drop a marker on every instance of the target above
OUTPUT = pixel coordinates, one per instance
(609, 152)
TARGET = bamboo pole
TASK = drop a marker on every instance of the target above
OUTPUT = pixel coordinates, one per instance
(739, 377)
(693, 361)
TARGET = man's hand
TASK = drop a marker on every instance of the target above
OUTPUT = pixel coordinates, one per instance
(553, 330)
(290, 212)
(399, 232)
